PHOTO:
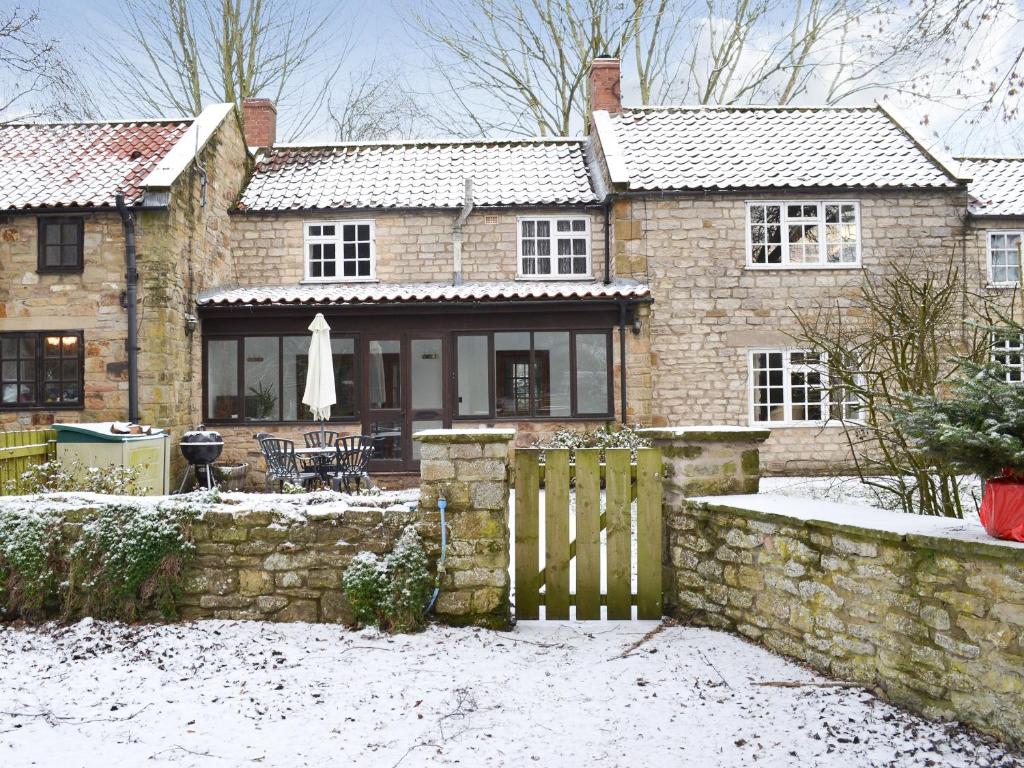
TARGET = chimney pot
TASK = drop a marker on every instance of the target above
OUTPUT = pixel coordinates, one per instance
(605, 91)
(260, 119)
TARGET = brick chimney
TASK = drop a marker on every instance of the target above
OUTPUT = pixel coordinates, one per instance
(260, 117)
(605, 92)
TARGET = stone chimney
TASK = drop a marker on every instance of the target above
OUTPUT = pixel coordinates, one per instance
(605, 92)
(260, 116)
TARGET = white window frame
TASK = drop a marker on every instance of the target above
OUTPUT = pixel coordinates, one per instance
(784, 224)
(338, 242)
(989, 235)
(1005, 344)
(787, 392)
(586, 234)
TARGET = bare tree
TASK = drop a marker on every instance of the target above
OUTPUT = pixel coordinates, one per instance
(376, 106)
(36, 80)
(182, 53)
(519, 66)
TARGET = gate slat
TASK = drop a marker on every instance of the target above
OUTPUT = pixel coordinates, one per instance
(527, 533)
(618, 520)
(648, 533)
(556, 534)
(588, 533)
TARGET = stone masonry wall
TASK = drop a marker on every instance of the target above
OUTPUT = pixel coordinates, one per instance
(409, 246)
(710, 309)
(933, 619)
(277, 567)
(470, 469)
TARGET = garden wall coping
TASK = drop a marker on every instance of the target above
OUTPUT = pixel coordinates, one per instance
(464, 435)
(707, 434)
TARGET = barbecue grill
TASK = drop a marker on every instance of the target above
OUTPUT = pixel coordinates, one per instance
(201, 447)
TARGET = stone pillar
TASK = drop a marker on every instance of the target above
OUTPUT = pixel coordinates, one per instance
(470, 468)
(708, 461)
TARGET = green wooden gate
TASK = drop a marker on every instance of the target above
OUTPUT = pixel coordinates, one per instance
(19, 451)
(550, 585)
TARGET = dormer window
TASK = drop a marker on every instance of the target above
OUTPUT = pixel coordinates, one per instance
(60, 244)
(339, 251)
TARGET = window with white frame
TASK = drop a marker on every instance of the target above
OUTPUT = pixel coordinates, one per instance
(795, 387)
(554, 247)
(339, 250)
(803, 234)
(1004, 257)
(1008, 351)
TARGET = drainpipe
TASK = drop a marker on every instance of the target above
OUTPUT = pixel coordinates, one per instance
(622, 360)
(131, 304)
(608, 239)
(467, 208)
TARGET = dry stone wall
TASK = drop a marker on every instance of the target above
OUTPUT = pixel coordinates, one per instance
(934, 620)
(277, 566)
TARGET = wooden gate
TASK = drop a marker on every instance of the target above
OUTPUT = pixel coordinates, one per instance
(20, 450)
(551, 585)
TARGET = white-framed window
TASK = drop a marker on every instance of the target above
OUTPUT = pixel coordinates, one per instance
(339, 251)
(1008, 351)
(553, 247)
(1004, 257)
(791, 387)
(803, 233)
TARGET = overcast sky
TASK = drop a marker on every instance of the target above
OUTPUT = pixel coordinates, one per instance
(376, 32)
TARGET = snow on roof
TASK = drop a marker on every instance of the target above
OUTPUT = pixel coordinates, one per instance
(80, 165)
(399, 293)
(684, 148)
(420, 175)
(997, 185)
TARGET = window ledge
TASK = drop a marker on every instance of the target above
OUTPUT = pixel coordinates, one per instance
(1003, 286)
(831, 424)
(337, 281)
(554, 278)
(802, 267)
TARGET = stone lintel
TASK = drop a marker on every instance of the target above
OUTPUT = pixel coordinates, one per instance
(449, 436)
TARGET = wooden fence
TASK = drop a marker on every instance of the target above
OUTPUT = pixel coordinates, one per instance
(624, 483)
(19, 451)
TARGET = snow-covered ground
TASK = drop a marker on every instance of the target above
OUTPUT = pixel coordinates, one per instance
(548, 694)
(851, 490)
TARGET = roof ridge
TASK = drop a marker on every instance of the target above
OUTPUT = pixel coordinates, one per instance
(754, 107)
(430, 142)
(127, 121)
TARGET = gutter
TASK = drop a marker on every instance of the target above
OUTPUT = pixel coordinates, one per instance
(131, 304)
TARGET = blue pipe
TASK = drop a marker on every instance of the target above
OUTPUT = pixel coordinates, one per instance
(441, 504)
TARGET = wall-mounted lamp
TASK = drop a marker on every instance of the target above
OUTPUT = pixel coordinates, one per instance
(637, 324)
(191, 321)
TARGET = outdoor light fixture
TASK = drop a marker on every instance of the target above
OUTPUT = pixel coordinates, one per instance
(637, 325)
(191, 321)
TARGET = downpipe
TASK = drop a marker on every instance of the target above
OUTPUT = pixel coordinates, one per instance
(131, 304)
(442, 503)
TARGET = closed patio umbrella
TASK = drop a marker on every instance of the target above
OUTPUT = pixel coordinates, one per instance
(320, 394)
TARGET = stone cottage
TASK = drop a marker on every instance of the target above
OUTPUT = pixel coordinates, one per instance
(647, 273)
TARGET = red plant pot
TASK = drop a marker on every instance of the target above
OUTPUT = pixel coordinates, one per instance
(1002, 506)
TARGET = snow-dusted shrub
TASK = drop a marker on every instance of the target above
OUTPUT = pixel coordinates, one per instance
(29, 560)
(111, 561)
(623, 436)
(390, 592)
(129, 557)
(55, 477)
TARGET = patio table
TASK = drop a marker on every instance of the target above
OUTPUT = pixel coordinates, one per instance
(320, 457)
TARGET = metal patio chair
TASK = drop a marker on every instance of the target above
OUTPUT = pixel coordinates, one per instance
(353, 459)
(282, 464)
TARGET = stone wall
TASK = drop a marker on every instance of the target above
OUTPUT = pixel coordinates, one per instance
(710, 309)
(929, 611)
(409, 246)
(279, 566)
(470, 470)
